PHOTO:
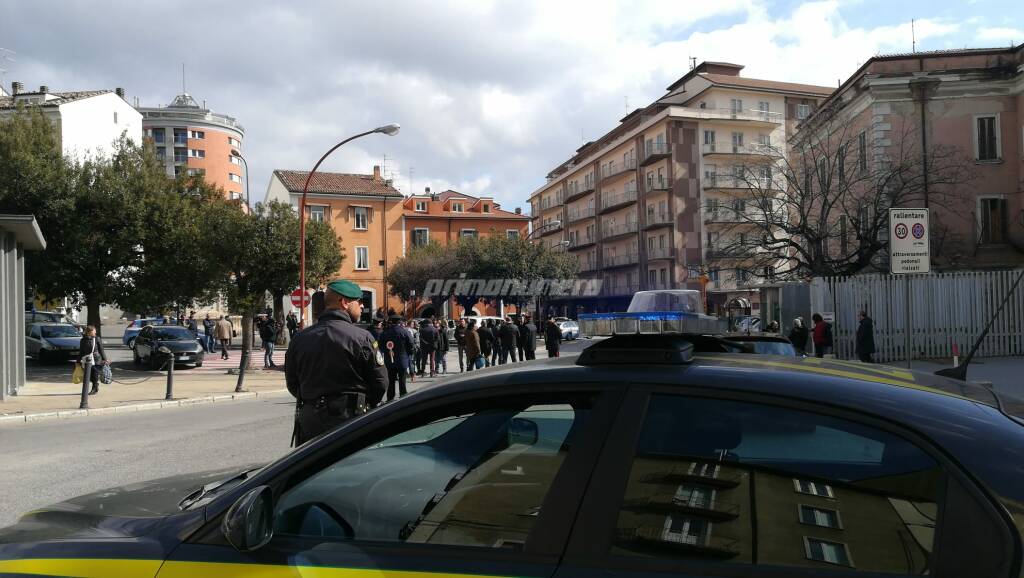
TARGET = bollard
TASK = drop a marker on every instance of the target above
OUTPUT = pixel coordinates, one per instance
(170, 373)
(84, 404)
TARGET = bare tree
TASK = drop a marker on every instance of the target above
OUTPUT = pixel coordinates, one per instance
(820, 207)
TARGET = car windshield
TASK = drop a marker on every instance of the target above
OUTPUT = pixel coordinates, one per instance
(60, 331)
(173, 334)
(772, 347)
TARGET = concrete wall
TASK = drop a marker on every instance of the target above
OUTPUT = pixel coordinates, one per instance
(12, 318)
(90, 126)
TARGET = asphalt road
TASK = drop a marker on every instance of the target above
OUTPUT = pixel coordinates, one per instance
(53, 460)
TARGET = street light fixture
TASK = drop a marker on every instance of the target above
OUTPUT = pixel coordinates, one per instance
(388, 129)
(556, 223)
(235, 153)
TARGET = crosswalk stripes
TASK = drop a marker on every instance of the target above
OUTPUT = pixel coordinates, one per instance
(213, 362)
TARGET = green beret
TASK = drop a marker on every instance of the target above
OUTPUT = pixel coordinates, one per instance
(346, 289)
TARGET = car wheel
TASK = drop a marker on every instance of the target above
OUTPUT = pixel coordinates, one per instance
(131, 343)
(199, 364)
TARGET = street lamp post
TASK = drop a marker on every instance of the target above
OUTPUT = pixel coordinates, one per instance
(555, 223)
(388, 129)
(235, 153)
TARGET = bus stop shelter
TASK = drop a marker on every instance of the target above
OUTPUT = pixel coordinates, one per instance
(18, 234)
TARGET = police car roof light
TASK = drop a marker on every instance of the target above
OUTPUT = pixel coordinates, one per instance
(638, 350)
(649, 323)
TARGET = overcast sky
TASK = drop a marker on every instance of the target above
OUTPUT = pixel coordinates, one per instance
(491, 95)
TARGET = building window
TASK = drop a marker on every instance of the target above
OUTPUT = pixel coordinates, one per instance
(468, 233)
(825, 551)
(813, 488)
(420, 237)
(362, 215)
(862, 151)
(177, 171)
(180, 155)
(161, 154)
(234, 160)
(233, 142)
(819, 517)
(456, 206)
(763, 108)
(362, 258)
(737, 142)
(421, 206)
(180, 136)
(487, 208)
(986, 141)
(115, 117)
(992, 214)
(512, 233)
(158, 135)
(197, 153)
(735, 105)
(317, 213)
(196, 134)
(196, 172)
(803, 111)
(709, 141)
(234, 178)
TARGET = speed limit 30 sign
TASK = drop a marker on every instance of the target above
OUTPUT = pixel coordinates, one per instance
(908, 241)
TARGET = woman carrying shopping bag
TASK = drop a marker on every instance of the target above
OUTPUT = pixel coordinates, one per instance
(91, 357)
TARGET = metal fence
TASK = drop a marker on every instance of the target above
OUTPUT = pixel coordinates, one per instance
(946, 309)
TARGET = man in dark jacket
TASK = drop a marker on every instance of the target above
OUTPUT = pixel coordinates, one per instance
(798, 336)
(268, 334)
(865, 337)
(474, 355)
(527, 338)
(460, 342)
(208, 325)
(821, 334)
(292, 322)
(428, 342)
(334, 368)
(397, 343)
(486, 342)
(508, 335)
(552, 338)
(441, 347)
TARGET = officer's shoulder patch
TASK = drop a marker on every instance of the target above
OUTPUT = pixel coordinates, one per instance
(375, 346)
(377, 357)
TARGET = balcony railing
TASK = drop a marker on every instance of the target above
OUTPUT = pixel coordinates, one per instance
(747, 149)
(580, 214)
(609, 289)
(609, 201)
(549, 228)
(620, 260)
(659, 285)
(697, 544)
(730, 181)
(619, 229)
(660, 253)
(693, 503)
(581, 241)
(726, 215)
(657, 219)
(657, 185)
(735, 252)
(613, 169)
(653, 152)
(736, 114)
(588, 264)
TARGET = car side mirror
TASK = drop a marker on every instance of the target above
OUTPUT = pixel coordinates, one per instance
(523, 431)
(249, 523)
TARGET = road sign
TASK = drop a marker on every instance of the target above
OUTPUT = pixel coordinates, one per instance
(297, 298)
(908, 241)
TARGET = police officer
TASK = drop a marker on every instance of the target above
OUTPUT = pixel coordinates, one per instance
(334, 368)
(397, 343)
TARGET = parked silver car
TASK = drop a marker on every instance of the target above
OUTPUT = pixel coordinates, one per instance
(52, 341)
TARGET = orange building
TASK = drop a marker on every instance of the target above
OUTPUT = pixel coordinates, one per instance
(446, 217)
(197, 141)
(365, 212)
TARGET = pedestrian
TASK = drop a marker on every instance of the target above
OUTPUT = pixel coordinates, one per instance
(223, 334)
(552, 338)
(441, 349)
(474, 352)
(377, 329)
(865, 337)
(334, 368)
(378, 315)
(460, 342)
(773, 327)
(428, 341)
(397, 343)
(268, 333)
(208, 325)
(92, 357)
(798, 336)
(520, 343)
(292, 322)
(193, 323)
(528, 338)
(486, 342)
(413, 355)
(822, 335)
(508, 336)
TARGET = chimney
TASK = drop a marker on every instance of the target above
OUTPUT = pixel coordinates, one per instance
(426, 190)
(519, 210)
(119, 92)
(376, 172)
(44, 89)
(16, 88)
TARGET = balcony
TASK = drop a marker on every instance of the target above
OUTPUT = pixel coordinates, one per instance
(658, 220)
(575, 192)
(733, 149)
(660, 253)
(580, 214)
(654, 153)
(735, 252)
(753, 115)
(549, 229)
(620, 260)
(687, 544)
(721, 477)
(551, 203)
(730, 181)
(612, 202)
(654, 185)
(581, 241)
(614, 169)
(694, 504)
(612, 231)
(659, 285)
(619, 289)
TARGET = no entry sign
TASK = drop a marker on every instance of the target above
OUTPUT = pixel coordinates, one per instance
(297, 298)
(908, 241)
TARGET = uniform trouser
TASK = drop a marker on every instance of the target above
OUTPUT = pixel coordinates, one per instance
(426, 360)
(529, 353)
(440, 361)
(552, 352)
(865, 357)
(313, 421)
(462, 353)
(506, 353)
(522, 352)
(396, 373)
(496, 354)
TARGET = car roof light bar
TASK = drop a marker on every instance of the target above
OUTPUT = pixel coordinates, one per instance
(650, 323)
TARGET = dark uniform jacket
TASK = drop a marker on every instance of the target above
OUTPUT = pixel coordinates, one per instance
(460, 335)
(428, 338)
(527, 337)
(486, 340)
(326, 367)
(552, 337)
(865, 337)
(402, 345)
(509, 336)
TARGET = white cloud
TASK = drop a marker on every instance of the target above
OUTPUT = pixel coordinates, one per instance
(1001, 35)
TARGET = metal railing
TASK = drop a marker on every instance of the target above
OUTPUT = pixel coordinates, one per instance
(695, 502)
(655, 148)
(613, 168)
(588, 264)
(659, 219)
(657, 185)
(727, 546)
(581, 240)
(622, 198)
(741, 149)
(609, 289)
(736, 114)
(731, 181)
(619, 229)
(580, 214)
(660, 253)
(620, 260)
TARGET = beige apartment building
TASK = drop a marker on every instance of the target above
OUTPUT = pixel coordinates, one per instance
(646, 205)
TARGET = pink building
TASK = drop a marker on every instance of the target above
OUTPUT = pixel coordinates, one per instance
(968, 100)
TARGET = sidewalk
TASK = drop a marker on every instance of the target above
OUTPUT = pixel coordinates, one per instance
(1004, 373)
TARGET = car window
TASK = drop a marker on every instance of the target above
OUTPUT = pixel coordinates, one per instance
(34, 331)
(476, 479)
(172, 333)
(55, 331)
(744, 483)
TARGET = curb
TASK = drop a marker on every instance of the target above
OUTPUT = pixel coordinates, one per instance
(135, 407)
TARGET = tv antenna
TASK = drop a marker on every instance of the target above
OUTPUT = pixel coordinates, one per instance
(693, 62)
(8, 55)
(913, 37)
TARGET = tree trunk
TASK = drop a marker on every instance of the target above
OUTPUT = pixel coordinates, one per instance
(93, 316)
(243, 364)
(282, 331)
